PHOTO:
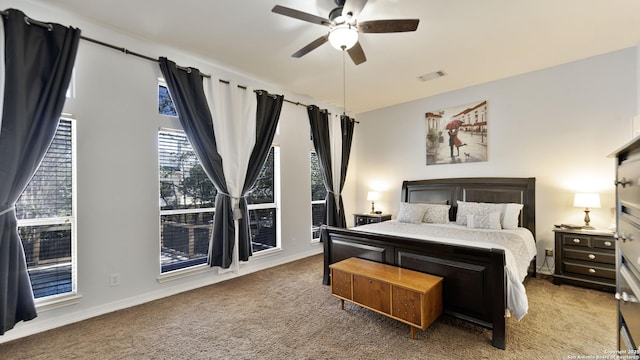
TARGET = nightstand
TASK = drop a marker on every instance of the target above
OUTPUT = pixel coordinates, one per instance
(364, 219)
(585, 258)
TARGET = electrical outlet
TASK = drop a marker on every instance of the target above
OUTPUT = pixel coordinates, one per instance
(548, 252)
(114, 280)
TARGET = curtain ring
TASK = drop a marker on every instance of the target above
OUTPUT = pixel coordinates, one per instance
(48, 26)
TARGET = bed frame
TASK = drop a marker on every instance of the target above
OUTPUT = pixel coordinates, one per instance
(474, 278)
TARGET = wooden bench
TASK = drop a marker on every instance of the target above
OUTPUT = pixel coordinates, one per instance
(411, 297)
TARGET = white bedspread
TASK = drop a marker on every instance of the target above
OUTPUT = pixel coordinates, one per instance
(518, 244)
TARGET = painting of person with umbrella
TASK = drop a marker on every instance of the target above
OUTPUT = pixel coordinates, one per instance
(453, 127)
(462, 123)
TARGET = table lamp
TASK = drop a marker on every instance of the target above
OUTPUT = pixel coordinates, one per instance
(586, 201)
(373, 196)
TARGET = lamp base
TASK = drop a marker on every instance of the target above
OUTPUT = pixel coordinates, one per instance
(587, 220)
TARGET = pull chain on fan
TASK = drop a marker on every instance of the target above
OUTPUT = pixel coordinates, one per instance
(344, 84)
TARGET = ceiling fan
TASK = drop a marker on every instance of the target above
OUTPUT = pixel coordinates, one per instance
(344, 27)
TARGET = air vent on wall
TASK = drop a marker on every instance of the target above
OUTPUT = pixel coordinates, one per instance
(432, 75)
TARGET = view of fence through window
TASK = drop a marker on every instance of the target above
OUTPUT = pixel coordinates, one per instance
(187, 199)
(46, 220)
(187, 204)
(318, 193)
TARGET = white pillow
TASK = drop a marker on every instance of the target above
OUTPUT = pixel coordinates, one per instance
(475, 208)
(411, 213)
(436, 214)
(484, 221)
(511, 215)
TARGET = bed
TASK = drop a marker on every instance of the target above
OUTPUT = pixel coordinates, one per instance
(475, 278)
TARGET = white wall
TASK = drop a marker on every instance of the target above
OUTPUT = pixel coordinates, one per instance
(557, 125)
(118, 216)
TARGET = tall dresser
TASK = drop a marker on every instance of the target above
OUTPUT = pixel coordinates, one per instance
(628, 249)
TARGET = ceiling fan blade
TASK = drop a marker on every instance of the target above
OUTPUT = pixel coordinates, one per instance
(311, 46)
(296, 14)
(354, 7)
(357, 54)
(388, 26)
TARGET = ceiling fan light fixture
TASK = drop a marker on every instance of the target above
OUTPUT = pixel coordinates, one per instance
(343, 37)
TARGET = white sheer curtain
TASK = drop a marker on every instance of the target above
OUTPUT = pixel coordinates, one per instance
(233, 110)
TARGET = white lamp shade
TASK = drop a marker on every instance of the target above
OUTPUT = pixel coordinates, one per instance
(587, 200)
(373, 196)
(343, 37)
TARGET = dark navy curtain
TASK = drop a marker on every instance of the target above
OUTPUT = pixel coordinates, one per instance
(267, 116)
(38, 65)
(187, 93)
(320, 134)
(319, 122)
(347, 125)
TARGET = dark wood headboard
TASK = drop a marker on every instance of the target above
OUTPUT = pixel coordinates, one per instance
(489, 189)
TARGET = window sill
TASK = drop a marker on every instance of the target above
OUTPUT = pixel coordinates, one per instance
(182, 273)
(199, 269)
(58, 301)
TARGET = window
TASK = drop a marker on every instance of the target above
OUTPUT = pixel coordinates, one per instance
(165, 105)
(318, 193)
(187, 200)
(46, 218)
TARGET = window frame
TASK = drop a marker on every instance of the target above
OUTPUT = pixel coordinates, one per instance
(72, 297)
(171, 123)
(314, 229)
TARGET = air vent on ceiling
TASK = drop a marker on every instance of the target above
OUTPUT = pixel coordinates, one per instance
(432, 75)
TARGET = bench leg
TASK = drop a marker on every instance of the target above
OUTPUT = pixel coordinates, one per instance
(413, 332)
(341, 304)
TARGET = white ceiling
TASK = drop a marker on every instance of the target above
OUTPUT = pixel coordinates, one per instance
(474, 41)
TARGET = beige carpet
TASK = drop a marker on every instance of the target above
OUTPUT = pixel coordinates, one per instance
(286, 313)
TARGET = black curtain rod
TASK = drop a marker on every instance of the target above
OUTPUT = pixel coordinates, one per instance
(30, 21)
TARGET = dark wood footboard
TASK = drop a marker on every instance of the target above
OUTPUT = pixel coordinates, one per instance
(474, 287)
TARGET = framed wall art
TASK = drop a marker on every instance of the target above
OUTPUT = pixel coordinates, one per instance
(457, 134)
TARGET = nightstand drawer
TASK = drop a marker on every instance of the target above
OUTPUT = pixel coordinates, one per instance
(592, 256)
(603, 243)
(575, 240)
(597, 270)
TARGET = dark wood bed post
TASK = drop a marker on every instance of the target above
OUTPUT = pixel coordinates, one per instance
(499, 323)
(327, 258)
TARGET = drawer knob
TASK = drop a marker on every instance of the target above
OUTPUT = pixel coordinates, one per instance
(624, 182)
(626, 297)
(592, 271)
(577, 241)
(592, 256)
(607, 243)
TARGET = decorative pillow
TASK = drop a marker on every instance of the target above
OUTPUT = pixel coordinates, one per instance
(510, 216)
(484, 221)
(411, 213)
(475, 208)
(436, 214)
